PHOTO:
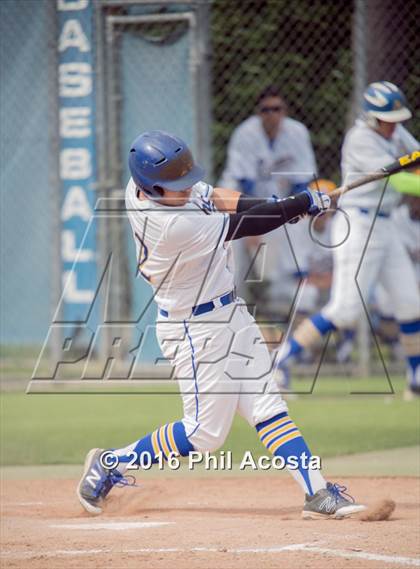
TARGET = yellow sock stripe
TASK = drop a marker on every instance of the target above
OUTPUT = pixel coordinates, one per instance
(171, 438)
(166, 449)
(155, 443)
(161, 449)
(266, 442)
(277, 423)
(284, 440)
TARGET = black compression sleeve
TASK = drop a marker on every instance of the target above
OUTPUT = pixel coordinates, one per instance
(246, 202)
(263, 218)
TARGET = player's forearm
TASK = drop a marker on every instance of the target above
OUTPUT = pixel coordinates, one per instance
(232, 201)
(246, 202)
(225, 200)
(265, 217)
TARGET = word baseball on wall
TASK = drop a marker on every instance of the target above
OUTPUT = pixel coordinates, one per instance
(77, 156)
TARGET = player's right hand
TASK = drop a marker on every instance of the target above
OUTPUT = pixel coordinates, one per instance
(319, 201)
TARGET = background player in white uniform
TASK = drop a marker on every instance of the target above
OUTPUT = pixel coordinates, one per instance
(182, 230)
(407, 219)
(376, 140)
(270, 154)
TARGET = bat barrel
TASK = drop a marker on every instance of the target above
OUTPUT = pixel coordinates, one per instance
(403, 163)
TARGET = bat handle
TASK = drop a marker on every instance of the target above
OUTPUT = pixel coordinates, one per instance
(337, 192)
(356, 184)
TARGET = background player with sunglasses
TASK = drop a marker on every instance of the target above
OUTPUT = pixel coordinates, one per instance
(270, 154)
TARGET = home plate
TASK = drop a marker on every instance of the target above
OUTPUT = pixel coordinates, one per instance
(115, 526)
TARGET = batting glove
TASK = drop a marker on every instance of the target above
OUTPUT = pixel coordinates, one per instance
(319, 201)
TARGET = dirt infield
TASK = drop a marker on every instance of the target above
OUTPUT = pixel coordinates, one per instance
(223, 522)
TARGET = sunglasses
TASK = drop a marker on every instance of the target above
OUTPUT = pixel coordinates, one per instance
(276, 109)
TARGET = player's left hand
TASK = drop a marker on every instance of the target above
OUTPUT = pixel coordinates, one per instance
(319, 201)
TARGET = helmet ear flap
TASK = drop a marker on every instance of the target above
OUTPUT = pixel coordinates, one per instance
(158, 190)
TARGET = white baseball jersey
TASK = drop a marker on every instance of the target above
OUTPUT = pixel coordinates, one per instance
(365, 151)
(275, 166)
(181, 251)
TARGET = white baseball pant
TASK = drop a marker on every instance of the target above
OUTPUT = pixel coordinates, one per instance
(362, 261)
(222, 366)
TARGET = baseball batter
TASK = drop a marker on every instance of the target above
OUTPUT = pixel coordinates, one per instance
(183, 228)
(375, 140)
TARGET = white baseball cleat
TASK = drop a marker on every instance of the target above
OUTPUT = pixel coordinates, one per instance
(331, 502)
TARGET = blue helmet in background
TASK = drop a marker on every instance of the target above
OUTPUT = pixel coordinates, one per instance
(159, 160)
(384, 101)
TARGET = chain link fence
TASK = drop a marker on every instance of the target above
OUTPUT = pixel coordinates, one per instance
(320, 54)
(195, 67)
(28, 215)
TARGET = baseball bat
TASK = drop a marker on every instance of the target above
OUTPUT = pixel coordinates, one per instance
(402, 163)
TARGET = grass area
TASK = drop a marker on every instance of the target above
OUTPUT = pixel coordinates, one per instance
(59, 429)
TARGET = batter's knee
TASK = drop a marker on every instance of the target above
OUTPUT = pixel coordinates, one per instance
(408, 310)
(341, 317)
(204, 438)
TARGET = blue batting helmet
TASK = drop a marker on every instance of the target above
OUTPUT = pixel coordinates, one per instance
(384, 101)
(159, 160)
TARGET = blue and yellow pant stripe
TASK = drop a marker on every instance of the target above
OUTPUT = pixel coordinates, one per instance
(163, 441)
(278, 432)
